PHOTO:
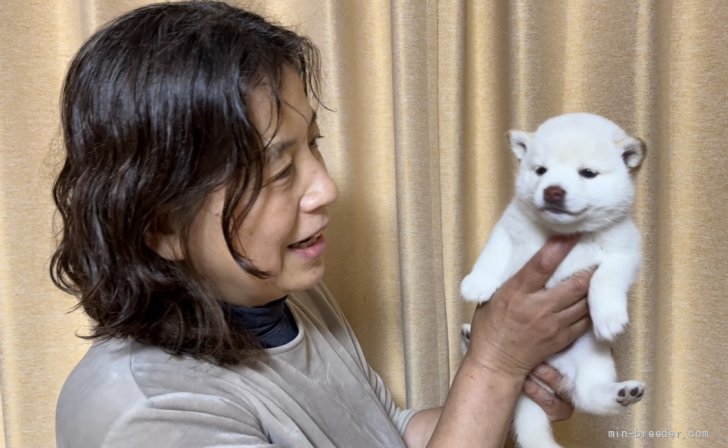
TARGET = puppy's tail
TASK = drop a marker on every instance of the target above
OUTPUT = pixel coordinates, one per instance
(532, 426)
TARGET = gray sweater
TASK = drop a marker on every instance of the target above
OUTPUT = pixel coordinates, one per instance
(315, 391)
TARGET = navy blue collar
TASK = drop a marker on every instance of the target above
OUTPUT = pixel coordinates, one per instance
(273, 324)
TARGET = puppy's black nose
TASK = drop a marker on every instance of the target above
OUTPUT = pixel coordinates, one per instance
(554, 194)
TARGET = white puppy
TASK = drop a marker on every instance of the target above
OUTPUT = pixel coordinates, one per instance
(574, 177)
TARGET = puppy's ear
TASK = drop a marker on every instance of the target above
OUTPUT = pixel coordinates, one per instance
(519, 141)
(633, 151)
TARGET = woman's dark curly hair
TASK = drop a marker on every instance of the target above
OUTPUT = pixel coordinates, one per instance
(155, 117)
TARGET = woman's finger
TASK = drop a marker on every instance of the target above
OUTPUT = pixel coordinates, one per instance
(575, 312)
(543, 394)
(548, 375)
(568, 292)
(540, 267)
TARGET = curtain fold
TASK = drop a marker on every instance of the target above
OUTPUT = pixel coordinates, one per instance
(421, 94)
(417, 174)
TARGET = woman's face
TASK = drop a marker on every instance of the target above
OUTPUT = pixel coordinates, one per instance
(283, 232)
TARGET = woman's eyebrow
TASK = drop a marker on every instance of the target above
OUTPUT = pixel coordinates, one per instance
(275, 150)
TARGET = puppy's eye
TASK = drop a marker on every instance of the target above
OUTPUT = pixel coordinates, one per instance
(588, 174)
(540, 171)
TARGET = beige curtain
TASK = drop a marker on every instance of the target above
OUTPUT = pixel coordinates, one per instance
(423, 92)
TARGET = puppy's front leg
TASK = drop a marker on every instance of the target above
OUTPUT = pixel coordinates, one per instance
(490, 268)
(608, 292)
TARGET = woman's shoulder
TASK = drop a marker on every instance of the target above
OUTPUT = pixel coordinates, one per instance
(319, 303)
(120, 379)
(96, 393)
(322, 316)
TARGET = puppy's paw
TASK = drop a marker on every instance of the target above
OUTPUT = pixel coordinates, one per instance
(477, 288)
(608, 321)
(464, 338)
(610, 398)
(629, 392)
(607, 328)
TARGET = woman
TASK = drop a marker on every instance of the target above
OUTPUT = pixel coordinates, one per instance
(194, 200)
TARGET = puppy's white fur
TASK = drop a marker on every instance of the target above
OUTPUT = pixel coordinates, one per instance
(564, 154)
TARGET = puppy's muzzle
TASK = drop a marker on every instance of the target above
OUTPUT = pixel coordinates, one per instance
(554, 195)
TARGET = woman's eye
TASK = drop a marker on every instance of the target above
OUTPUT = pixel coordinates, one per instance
(313, 143)
(588, 174)
(284, 173)
(540, 171)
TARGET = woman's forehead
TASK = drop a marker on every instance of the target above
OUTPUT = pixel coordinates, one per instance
(295, 114)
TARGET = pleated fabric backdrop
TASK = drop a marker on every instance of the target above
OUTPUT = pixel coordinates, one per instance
(423, 93)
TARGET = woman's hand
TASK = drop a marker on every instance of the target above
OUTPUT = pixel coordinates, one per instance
(516, 330)
(524, 323)
(557, 408)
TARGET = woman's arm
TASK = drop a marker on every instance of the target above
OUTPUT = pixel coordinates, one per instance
(421, 426)
(521, 326)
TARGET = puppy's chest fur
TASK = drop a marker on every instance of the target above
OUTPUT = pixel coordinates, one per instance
(593, 248)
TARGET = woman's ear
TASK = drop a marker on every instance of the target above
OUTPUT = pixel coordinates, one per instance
(165, 241)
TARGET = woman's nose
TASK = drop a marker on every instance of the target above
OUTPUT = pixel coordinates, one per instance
(322, 190)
